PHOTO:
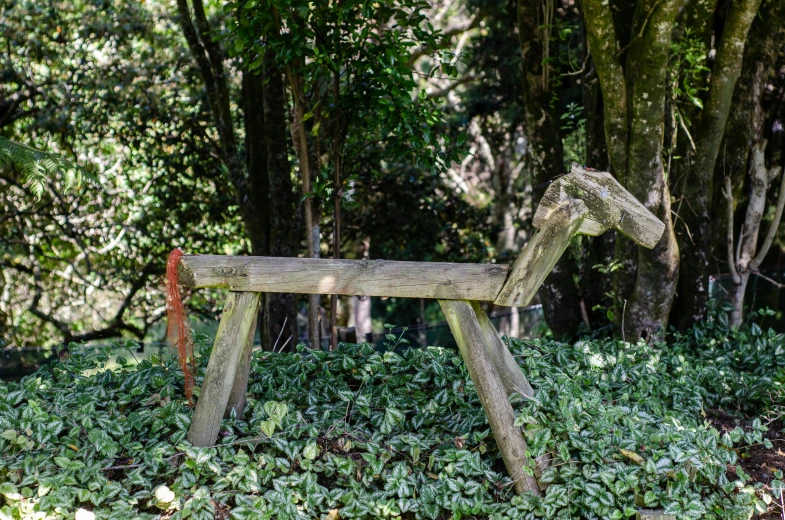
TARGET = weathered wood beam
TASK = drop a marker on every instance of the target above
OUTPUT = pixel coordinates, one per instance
(239, 393)
(231, 344)
(609, 205)
(444, 281)
(509, 371)
(541, 253)
(471, 342)
(651, 514)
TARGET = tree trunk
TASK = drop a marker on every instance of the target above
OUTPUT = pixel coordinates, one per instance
(284, 217)
(648, 306)
(338, 196)
(595, 285)
(693, 289)
(362, 316)
(634, 103)
(545, 159)
(312, 233)
(760, 60)
(748, 257)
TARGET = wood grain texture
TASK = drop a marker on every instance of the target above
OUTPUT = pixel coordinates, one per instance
(509, 371)
(237, 396)
(445, 281)
(471, 342)
(609, 206)
(239, 316)
(650, 514)
(541, 254)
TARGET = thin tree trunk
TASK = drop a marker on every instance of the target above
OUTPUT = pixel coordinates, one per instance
(300, 137)
(748, 257)
(338, 195)
(545, 158)
(362, 316)
(737, 293)
(284, 217)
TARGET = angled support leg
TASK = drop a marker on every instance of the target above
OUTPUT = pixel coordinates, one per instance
(239, 391)
(510, 373)
(230, 350)
(471, 339)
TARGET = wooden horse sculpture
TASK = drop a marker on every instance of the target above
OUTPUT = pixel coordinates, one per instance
(584, 201)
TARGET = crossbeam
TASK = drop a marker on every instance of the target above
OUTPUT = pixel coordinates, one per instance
(443, 281)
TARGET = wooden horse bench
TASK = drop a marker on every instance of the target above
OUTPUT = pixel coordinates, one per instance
(584, 201)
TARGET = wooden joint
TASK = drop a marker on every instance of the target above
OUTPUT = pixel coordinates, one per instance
(609, 206)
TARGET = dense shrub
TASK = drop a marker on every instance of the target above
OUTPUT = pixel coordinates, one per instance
(364, 434)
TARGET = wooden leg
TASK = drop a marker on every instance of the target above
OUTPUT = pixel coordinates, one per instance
(240, 387)
(511, 374)
(471, 341)
(238, 318)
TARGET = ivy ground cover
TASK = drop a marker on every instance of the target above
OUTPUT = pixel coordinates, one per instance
(358, 433)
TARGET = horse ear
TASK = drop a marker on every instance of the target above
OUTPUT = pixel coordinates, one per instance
(609, 206)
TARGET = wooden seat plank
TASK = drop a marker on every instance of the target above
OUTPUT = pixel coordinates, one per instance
(444, 281)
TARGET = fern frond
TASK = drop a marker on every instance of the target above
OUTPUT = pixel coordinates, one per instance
(37, 166)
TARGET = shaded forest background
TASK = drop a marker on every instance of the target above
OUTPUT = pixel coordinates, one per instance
(401, 130)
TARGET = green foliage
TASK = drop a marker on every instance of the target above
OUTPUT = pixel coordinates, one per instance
(382, 435)
(358, 86)
(688, 68)
(116, 88)
(574, 140)
(740, 369)
(38, 167)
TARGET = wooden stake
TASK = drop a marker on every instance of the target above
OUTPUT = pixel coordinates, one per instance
(471, 341)
(237, 321)
(239, 392)
(511, 374)
(541, 254)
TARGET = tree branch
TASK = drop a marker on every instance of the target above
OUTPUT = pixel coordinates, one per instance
(452, 86)
(731, 259)
(775, 224)
(447, 35)
(115, 326)
(198, 52)
(601, 37)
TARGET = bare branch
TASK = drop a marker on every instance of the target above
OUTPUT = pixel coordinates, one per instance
(731, 259)
(771, 281)
(200, 55)
(447, 35)
(775, 224)
(452, 86)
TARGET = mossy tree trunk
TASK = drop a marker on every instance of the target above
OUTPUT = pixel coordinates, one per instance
(634, 111)
(696, 239)
(630, 47)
